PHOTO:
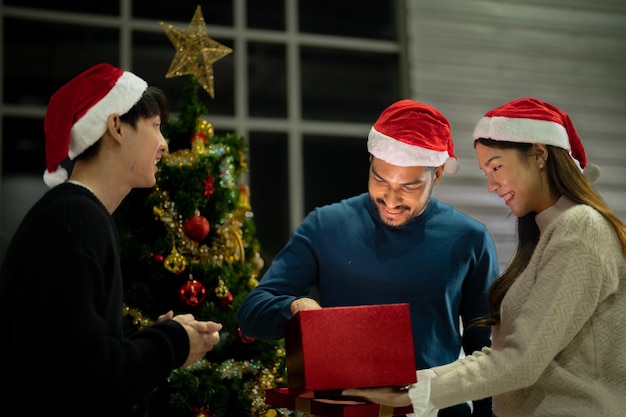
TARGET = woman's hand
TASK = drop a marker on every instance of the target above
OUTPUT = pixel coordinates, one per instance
(390, 396)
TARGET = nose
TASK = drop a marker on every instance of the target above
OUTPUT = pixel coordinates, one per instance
(163, 146)
(492, 184)
(393, 198)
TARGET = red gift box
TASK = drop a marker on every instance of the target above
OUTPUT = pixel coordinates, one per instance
(350, 347)
(319, 407)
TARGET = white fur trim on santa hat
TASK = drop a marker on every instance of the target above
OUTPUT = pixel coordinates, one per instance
(52, 179)
(402, 154)
(123, 96)
(522, 130)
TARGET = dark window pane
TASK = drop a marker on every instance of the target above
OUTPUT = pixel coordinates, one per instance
(152, 57)
(267, 80)
(19, 194)
(334, 168)
(91, 6)
(269, 195)
(268, 14)
(36, 66)
(214, 12)
(348, 86)
(353, 18)
(23, 147)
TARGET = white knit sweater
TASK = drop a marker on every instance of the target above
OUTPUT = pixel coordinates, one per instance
(560, 349)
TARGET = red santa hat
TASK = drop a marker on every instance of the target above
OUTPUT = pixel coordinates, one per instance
(530, 120)
(77, 114)
(409, 133)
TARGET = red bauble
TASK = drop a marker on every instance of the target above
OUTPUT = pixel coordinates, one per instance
(192, 292)
(196, 227)
(158, 258)
(224, 302)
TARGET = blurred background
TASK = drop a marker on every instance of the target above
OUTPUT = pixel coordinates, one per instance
(307, 79)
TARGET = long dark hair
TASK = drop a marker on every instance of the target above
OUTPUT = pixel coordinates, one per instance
(565, 179)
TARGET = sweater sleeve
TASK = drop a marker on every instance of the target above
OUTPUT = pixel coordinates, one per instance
(568, 276)
(292, 274)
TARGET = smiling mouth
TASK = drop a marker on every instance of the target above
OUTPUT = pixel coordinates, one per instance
(507, 197)
(393, 213)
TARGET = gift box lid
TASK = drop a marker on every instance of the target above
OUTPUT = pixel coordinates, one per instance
(349, 347)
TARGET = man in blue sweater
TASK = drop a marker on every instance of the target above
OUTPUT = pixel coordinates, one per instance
(394, 244)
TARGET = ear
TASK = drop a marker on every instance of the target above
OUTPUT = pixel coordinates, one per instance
(114, 127)
(540, 153)
(437, 174)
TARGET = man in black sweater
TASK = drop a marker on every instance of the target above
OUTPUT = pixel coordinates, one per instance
(63, 349)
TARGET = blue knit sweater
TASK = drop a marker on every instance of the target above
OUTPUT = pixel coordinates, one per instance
(441, 263)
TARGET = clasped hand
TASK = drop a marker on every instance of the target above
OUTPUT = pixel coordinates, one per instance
(203, 335)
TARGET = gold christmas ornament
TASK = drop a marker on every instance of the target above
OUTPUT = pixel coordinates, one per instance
(195, 52)
(222, 290)
(175, 262)
(252, 283)
(257, 261)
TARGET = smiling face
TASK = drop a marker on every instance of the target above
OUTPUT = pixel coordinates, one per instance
(517, 176)
(400, 193)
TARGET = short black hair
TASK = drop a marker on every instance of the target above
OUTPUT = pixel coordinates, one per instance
(152, 103)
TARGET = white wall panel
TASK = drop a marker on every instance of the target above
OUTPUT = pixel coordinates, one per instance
(466, 57)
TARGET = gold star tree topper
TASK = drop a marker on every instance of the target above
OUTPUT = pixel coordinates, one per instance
(195, 51)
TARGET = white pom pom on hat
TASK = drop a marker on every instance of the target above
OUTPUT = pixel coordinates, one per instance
(530, 120)
(409, 133)
(77, 113)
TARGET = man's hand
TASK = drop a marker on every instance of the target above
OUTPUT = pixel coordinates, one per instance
(300, 304)
(203, 335)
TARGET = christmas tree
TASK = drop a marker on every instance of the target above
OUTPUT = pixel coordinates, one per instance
(189, 245)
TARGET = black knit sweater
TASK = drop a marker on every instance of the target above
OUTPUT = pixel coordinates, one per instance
(62, 347)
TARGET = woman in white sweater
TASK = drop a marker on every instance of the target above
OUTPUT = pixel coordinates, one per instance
(558, 312)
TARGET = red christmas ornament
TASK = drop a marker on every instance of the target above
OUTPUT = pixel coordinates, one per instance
(224, 302)
(192, 292)
(196, 227)
(158, 258)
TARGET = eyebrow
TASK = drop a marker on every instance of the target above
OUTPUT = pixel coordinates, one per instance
(414, 182)
(492, 158)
